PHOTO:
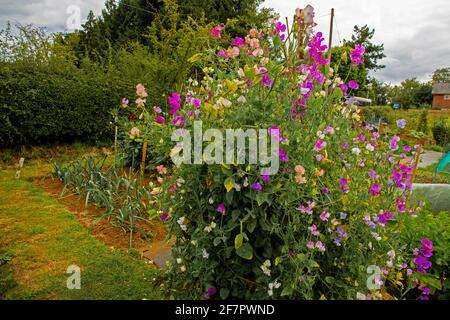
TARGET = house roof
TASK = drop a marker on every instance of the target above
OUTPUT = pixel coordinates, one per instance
(441, 88)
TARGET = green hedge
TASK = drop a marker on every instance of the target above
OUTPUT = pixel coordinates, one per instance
(41, 105)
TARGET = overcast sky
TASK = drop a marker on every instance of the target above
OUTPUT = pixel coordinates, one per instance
(415, 33)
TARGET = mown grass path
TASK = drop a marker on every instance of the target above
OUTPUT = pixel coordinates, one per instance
(39, 239)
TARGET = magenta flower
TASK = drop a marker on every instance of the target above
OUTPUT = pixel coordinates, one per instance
(221, 208)
(215, 32)
(343, 87)
(344, 145)
(179, 121)
(356, 55)
(427, 248)
(283, 156)
(210, 292)
(175, 103)
(160, 119)
(265, 177)
(328, 130)
(238, 42)
(222, 53)
(384, 217)
(266, 81)
(195, 102)
(324, 216)
(422, 264)
(353, 85)
(344, 185)
(164, 216)
(320, 144)
(257, 187)
(375, 189)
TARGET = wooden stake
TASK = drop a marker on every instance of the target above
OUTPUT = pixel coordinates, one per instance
(21, 161)
(416, 163)
(330, 40)
(144, 157)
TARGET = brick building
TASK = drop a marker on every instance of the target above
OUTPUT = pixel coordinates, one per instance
(441, 96)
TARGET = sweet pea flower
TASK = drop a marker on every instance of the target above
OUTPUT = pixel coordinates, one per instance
(324, 216)
(320, 144)
(157, 109)
(283, 155)
(124, 102)
(134, 132)
(313, 230)
(160, 119)
(356, 55)
(238, 42)
(179, 121)
(221, 208)
(215, 32)
(257, 187)
(401, 123)
(353, 85)
(375, 189)
(140, 91)
(195, 102)
(210, 292)
(310, 245)
(175, 103)
(164, 216)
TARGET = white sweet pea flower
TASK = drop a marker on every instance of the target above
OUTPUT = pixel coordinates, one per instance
(356, 151)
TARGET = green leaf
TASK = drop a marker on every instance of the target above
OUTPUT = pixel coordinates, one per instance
(261, 198)
(251, 226)
(277, 41)
(224, 292)
(238, 241)
(216, 241)
(338, 94)
(245, 251)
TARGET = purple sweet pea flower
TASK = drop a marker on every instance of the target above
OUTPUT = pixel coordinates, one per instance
(257, 187)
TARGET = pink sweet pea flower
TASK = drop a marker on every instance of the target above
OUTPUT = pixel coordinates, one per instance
(215, 32)
(221, 208)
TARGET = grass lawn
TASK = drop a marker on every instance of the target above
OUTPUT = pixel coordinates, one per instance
(39, 239)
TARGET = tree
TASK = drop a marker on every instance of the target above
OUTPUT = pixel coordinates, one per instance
(125, 21)
(411, 93)
(373, 52)
(441, 75)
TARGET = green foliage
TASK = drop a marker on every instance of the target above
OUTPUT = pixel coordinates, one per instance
(435, 227)
(412, 94)
(423, 122)
(124, 199)
(441, 75)
(441, 132)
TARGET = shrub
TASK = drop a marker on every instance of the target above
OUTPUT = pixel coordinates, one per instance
(423, 122)
(441, 132)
